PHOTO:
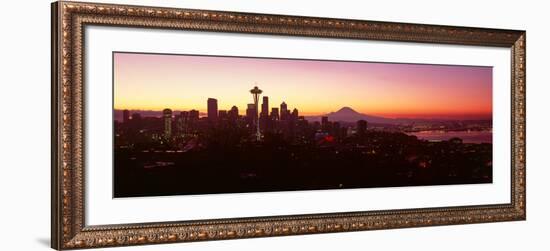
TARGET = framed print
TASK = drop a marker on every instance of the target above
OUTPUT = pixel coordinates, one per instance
(175, 125)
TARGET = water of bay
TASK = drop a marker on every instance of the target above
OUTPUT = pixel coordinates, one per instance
(466, 136)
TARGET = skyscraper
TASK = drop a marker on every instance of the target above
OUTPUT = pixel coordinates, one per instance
(125, 116)
(295, 114)
(255, 95)
(212, 109)
(192, 120)
(167, 114)
(184, 115)
(234, 113)
(193, 115)
(265, 107)
(284, 111)
(183, 122)
(274, 113)
(264, 115)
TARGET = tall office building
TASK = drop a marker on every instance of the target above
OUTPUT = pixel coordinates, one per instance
(193, 115)
(284, 111)
(264, 115)
(295, 114)
(183, 122)
(274, 113)
(212, 109)
(234, 113)
(192, 120)
(125, 117)
(184, 115)
(265, 107)
(167, 114)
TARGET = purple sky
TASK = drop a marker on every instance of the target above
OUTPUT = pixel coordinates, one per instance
(181, 82)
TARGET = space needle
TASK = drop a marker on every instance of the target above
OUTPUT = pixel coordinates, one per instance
(255, 94)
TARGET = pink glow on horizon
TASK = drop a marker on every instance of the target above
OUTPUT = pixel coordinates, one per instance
(179, 82)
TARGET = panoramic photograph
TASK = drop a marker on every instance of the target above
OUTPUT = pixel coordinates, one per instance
(196, 124)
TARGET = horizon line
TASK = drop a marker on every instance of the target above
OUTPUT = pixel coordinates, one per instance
(466, 116)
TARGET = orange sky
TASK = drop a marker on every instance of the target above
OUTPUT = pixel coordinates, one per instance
(180, 82)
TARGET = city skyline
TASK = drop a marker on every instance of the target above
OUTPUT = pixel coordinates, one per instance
(314, 87)
(279, 150)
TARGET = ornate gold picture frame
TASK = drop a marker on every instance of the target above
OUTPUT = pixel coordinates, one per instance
(69, 230)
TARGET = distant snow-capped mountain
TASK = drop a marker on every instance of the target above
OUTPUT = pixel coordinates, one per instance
(347, 114)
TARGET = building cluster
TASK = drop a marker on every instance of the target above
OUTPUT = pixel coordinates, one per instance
(223, 148)
(257, 120)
